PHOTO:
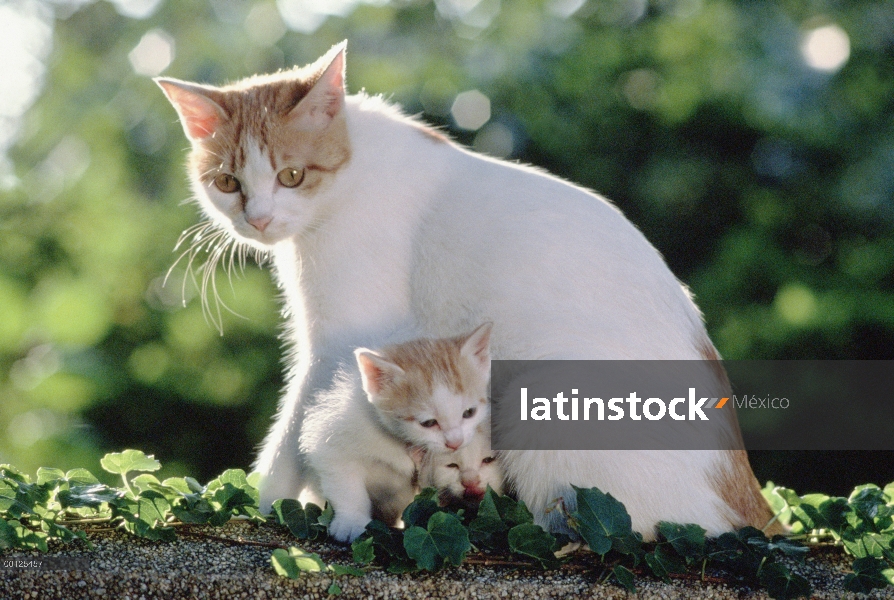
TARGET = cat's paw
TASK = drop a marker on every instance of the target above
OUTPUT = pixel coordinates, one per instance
(347, 527)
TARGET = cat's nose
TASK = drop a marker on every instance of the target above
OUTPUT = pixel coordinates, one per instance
(454, 438)
(259, 223)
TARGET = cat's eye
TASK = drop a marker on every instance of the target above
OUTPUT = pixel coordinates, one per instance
(489, 460)
(429, 423)
(290, 177)
(227, 183)
(453, 466)
(470, 412)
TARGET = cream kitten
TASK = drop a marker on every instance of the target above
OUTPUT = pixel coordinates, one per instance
(377, 223)
(430, 394)
(463, 476)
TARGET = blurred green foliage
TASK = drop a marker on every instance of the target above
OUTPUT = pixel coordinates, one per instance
(767, 184)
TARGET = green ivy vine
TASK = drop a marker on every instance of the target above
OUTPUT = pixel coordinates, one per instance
(57, 504)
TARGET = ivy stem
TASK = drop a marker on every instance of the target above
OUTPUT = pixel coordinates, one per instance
(760, 566)
(127, 485)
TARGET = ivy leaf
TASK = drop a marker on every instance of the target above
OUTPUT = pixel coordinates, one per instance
(28, 539)
(152, 507)
(664, 560)
(121, 463)
(788, 547)
(424, 505)
(91, 495)
(532, 540)
(180, 485)
(363, 551)
(326, 517)
(8, 537)
(334, 589)
(513, 512)
(488, 522)
(81, 477)
(444, 540)
(869, 574)
(733, 552)
(346, 570)
(687, 540)
(601, 519)
(781, 501)
(19, 497)
(295, 561)
(865, 545)
(833, 513)
(193, 509)
(889, 492)
(47, 475)
(302, 521)
(782, 584)
(388, 540)
(624, 576)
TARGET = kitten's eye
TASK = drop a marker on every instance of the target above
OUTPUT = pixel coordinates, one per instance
(227, 183)
(470, 412)
(290, 177)
(453, 466)
(429, 423)
(489, 460)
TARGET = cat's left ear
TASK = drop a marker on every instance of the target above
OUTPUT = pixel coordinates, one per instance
(476, 347)
(326, 99)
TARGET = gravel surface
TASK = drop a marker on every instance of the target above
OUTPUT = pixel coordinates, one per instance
(123, 567)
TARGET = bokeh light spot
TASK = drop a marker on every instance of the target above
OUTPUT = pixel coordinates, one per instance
(795, 304)
(153, 54)
(471, 110)
(826, 48)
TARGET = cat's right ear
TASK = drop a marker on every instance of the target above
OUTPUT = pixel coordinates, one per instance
(199, 114)
(376, 372)
(326, 98)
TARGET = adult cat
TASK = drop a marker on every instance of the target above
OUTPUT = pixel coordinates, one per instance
(377, 224)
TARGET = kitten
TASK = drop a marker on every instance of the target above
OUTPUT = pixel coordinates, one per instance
(377, 223)
(463, 476)
(429, 394)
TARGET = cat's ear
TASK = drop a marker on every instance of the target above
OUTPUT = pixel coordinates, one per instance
(326, 98)
(376, 372)
(476, 347)
(199, 113)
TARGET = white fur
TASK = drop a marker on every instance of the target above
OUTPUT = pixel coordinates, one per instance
(417, 237)
(354, 463)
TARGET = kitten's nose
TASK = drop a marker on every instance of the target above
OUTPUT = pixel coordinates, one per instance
(259, 223)
(454, 438)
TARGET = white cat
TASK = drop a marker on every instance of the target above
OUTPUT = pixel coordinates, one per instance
(428, 394)
(377, 223)
(463, 476)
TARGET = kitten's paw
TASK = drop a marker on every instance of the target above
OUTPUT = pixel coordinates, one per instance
(347, 527)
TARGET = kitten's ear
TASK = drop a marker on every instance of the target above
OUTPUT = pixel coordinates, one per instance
(327, 97)
(376, 371)
(476, 347)
(199, 113)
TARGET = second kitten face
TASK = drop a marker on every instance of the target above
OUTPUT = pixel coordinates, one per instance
(431, 393)
(463, 476)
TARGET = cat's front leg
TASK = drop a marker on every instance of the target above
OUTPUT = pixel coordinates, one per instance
(280, 461)
(345, 488)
